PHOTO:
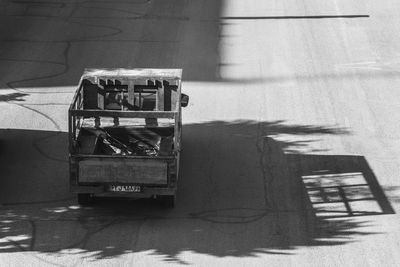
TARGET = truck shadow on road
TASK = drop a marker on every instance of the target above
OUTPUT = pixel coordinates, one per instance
(243, 192)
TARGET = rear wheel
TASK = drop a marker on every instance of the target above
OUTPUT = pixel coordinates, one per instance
(167, 201)
(84, 199)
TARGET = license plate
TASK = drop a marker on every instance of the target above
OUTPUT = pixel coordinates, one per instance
(125, 188)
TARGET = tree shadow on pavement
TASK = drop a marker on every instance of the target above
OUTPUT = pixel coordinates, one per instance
(239, 195)
(12, 97)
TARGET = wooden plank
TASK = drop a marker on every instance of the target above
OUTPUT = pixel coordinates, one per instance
(168, 88)
(125, 122)
(100, 98)
(131, 95)
(140, 171)
(174, 100)
(134, 73)
(160, 96)
(139, 84)
(81, 156)
(123, 114)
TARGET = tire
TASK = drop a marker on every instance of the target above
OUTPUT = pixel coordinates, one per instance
(84, 199)
(167, 201)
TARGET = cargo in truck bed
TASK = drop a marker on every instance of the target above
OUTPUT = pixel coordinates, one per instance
(144, 141)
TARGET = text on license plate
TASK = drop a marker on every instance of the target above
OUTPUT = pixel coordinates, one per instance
(125, 188)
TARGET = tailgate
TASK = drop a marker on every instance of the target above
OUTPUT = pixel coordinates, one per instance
(110, 170)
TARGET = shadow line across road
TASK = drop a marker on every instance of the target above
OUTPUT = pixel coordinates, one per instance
(296, 17)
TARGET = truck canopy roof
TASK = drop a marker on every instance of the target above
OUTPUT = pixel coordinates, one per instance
(173, 74)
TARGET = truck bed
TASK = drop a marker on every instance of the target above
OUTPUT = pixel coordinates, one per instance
(126, 140)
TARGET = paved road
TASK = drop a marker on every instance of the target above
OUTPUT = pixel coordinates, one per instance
(291, 140)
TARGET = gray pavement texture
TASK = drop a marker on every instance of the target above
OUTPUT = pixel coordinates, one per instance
(291, 139)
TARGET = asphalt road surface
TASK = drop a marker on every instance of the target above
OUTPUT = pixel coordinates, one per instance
(291, 139)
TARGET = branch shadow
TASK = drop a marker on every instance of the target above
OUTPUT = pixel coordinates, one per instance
(239, 195)
(12, 97)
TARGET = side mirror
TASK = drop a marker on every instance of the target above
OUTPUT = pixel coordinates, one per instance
(184, 100)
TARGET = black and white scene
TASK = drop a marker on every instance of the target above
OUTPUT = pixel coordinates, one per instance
(200, 133)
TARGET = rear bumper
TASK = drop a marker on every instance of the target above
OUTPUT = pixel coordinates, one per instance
(101, 191)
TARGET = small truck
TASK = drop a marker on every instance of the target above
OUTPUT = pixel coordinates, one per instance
(125, 129)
